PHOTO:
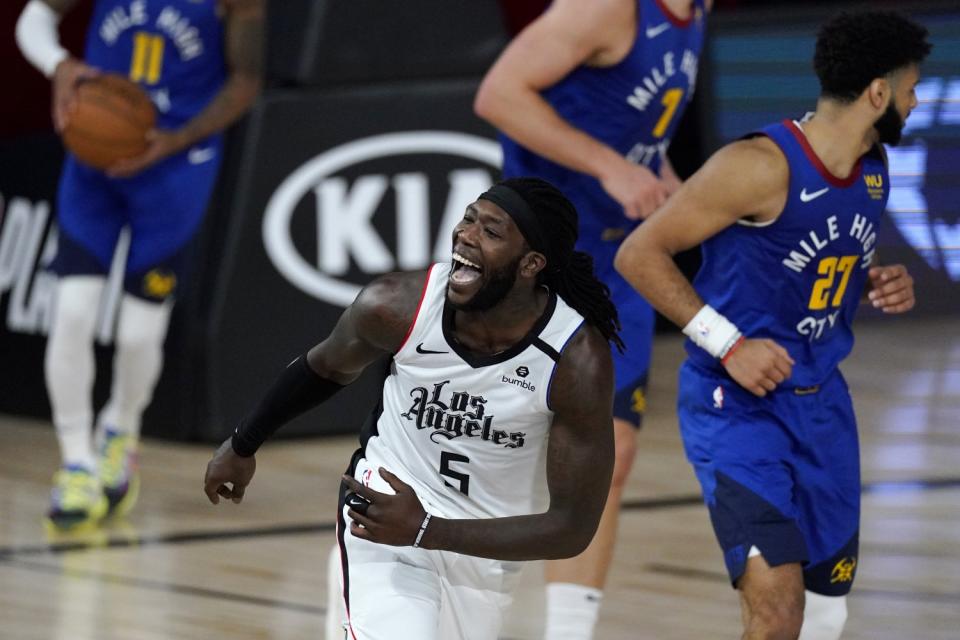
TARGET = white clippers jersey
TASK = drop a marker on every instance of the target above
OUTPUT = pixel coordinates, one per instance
(468, 432)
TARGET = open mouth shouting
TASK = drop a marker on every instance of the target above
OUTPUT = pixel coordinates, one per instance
(464, 272)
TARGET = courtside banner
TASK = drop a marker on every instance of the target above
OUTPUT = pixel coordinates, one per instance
(334, 188)
(30, 167)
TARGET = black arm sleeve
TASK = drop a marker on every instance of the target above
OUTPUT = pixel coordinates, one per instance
(298, 389)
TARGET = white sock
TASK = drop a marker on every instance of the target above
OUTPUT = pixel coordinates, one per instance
(572, 611)
(70, 368)
(137, 363)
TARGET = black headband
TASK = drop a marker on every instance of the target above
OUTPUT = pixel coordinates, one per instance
(524, 217)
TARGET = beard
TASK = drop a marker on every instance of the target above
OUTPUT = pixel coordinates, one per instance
(496, 289)
(889, 126)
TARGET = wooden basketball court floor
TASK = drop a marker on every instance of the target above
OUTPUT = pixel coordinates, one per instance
(180, 568)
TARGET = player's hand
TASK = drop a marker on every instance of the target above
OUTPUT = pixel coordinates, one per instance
(759, 365)
(160, 145)
(389, 519)
(68, 74)
(671, 181)
(636, 188)
(891, 289)
(228, 467)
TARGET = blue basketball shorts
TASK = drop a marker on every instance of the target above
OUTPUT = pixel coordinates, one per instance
(779, 473)
(163, 207)
(637, 320)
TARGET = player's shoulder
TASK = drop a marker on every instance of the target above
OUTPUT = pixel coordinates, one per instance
(757, 160)
(756, 148)
(596, 16)
(585, 362)
(387, 305)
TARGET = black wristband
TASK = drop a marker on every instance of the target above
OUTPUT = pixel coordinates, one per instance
(298, 389)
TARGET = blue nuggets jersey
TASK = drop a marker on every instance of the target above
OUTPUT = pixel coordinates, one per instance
(633, 106)
(173, 48)
(798, 280)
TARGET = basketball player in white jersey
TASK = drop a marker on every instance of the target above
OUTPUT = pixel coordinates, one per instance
(499, 361)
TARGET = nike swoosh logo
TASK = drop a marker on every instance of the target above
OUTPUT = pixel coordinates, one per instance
(420, 349)
(653, 32)
(199, 155)
(807, 197)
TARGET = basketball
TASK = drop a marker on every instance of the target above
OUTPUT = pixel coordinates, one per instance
(110, 122)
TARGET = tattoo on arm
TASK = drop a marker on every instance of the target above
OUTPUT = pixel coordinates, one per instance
(244, 53)
(244, 44)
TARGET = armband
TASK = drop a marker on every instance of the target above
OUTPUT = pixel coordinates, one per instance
(712, 332)
(38, 38)
(298, 389)
(423, 529)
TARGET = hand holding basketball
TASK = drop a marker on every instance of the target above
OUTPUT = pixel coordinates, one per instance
(68, 74)
(160, 144)
(106, 118)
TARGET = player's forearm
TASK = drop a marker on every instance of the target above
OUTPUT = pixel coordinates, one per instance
(544, 536)
(527, 118)
(298, 389)
(650, 270)
(233, 100)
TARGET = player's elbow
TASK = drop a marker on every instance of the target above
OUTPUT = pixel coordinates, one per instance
(247, 86)
(483, 102)
(625, 259)
(573, 536)
(490, 102)
(573, 544)
(635, 251)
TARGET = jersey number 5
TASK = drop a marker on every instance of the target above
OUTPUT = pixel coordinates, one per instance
(462, 478)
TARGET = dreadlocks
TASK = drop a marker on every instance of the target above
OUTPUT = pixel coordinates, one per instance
(548, 220)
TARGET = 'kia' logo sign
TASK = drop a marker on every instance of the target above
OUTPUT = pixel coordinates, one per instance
(345, 210)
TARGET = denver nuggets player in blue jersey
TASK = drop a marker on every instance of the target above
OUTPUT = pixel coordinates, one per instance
(788, 219)
(588, 97)
(200, 62)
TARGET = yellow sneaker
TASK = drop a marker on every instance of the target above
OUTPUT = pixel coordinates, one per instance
(119, 473)
(76, 501)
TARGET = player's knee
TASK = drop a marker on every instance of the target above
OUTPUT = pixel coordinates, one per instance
(823, 617)
(77, 302)
(142, 325)
(775, 624)
(775, 619)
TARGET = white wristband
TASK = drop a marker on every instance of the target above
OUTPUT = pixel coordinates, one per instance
(38, 37)
(712, 332)
(423, 529)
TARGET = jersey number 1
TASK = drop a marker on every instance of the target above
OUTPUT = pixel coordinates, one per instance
(670, 102)
(147, 57)
(462, 478)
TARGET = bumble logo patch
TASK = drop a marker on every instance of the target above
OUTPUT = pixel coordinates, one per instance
(874, 182)
(159, 284)
(843, 570)
(638, 401)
